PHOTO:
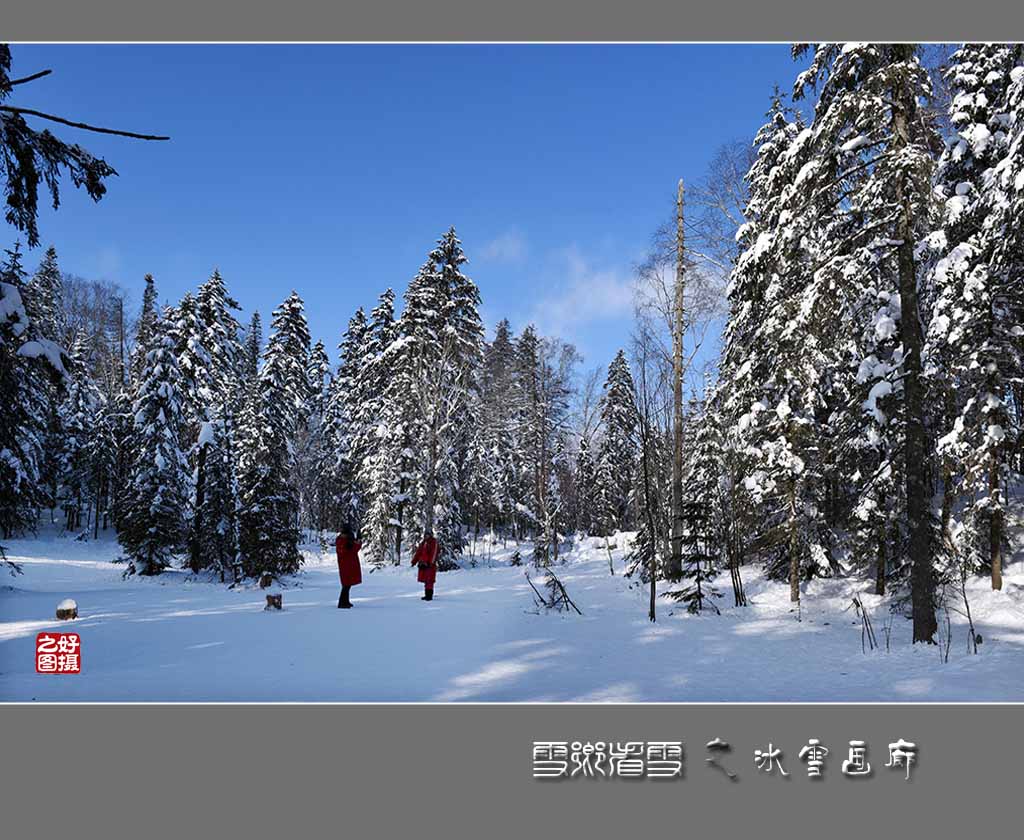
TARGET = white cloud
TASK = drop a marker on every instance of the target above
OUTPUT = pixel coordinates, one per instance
(108, 262)
(584, 295)
(509, 247)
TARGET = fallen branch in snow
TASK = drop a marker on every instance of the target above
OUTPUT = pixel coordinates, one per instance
(538, 597)
(558, 599)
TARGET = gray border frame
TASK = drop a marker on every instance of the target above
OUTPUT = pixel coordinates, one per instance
(524, 20)
(465, 770)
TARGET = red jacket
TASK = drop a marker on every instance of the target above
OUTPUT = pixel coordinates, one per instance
(426, 558)
(348, 561)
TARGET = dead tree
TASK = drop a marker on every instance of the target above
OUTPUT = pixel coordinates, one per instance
(675, 565)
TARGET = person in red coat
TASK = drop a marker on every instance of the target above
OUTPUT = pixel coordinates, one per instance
(348, 565)
(426, 559)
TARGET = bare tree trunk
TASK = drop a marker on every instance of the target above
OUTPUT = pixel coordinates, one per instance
(648, 503)
(947, 471)
(197, 525)
(96, 523)
(400, 508)
(794, 548)
(739, 596)
(675, 566)
(1018, 402)
(995, 524)
(554, 541)
(922, 579)
(880, 564)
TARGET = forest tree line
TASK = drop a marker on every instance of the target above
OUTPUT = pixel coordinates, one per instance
(196, 439)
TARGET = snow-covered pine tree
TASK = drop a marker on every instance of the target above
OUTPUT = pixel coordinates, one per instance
(152, 527)
(871, 138)
(396, 450)
(379, 447)
(44, 298)
(197, 391)
(605, 499)
(731, 509)
(210, 354)
(530, 432)
(311, 447)
(699, 591)
(44, 301)
(541, 401)
(103, 462)
(269, 513)
(145, 325)
(30, 364)
(218, 505)
(221, 340)
(617, 454)
(476, 479)
(121, 419)
(216, 309)
(252, 350)
(547, 544)
(461, 314)
(872, 428)
(749, 357)
(319, 376)
(779, 358)
(462, 349)
(195, 386)
(345, 437)
(116, 420)
(434, 362)
(585, 482)
(288, 347)
(497, 422)
(702, 515)
(1009, 255)
(78, 414)
(975, 356)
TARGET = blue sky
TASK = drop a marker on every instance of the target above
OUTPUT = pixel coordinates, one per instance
(333, 169)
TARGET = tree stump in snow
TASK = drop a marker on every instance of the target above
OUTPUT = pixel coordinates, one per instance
(273, 602)
(67, 609)
(266, 580)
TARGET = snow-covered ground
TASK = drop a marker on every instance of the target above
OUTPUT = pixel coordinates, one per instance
(481, 639)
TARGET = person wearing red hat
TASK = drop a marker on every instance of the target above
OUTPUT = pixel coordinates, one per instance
(349, 571)
(426, 559)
